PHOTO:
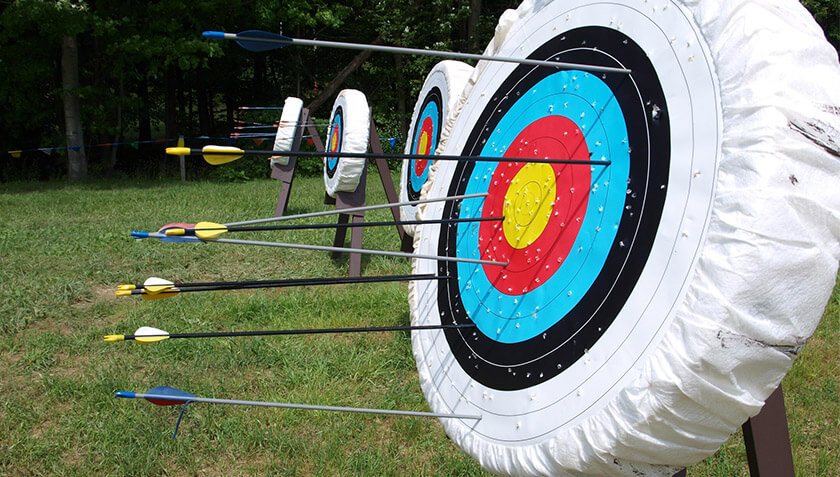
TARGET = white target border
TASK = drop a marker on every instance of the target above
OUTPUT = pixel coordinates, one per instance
(289, 119)
(533, 415)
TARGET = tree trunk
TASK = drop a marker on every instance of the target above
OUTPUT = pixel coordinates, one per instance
(403, 118)
(171, 107)
(76, 160)
(472, 25)
(119, 136)
(336, 82)
(145, 123)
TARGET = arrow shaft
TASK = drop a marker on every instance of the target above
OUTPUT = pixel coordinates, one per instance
(422, 52)
(363, 251)
(265, 228)
(355, 209)
(185, 287)
(375, 155)
(312, 331)
(311, 407)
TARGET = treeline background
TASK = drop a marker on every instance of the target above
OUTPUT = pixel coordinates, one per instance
(144, 73)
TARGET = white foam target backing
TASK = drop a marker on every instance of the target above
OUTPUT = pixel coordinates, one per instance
(289, 119)
(709, 276)
(349, 131)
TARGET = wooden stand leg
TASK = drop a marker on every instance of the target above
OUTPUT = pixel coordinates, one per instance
(346, 200)
(406, 241)
(286, 175)
(767, 439)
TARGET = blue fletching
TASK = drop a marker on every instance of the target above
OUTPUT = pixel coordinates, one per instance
(170, 391)
(213, 34)
(177, 238)
(242, 38)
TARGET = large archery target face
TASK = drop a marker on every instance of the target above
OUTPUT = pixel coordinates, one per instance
(598, 255)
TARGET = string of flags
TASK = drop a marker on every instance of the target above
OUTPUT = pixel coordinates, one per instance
(16, 153)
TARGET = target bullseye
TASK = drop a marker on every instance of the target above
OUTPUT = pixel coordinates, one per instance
(335, 139)
(528, 204)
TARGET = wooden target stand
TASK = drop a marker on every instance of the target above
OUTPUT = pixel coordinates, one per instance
(767, 440)
(343, 200)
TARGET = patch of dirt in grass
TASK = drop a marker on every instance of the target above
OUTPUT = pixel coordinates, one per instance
(97, 294)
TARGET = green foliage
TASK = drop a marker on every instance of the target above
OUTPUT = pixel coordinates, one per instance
(146, 72)
(827, 14)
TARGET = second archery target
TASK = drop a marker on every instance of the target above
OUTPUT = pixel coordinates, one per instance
(292, 108)
(434, 109)
(349, 131)
(589, 354)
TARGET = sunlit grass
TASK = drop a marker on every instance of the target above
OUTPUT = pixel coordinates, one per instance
(64, 249)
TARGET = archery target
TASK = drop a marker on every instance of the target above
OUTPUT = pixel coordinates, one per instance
(435, 107)
(623, 333)
(349, 131)
(292, 108)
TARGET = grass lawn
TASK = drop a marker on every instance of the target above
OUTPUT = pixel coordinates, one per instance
(63, 251)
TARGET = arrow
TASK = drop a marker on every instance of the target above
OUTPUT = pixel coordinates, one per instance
(169, 396)
(147, 334)
(348, 210)
(211, 230)
(324, 248)
(257, 40)
(218, 155)
(161, 288)
(259, 108)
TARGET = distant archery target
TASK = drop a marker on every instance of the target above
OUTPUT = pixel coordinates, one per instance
(286, 130)
(349, 131)
(435, 106)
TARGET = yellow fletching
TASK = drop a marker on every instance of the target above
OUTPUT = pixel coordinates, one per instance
(178, 151)
(150, 339)
(157, 288)
(209, 230)
(160, 295)
(175, 231)
(123, 293)
(114, 337)
(225, 154)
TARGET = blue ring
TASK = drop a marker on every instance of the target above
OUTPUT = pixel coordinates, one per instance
(591, 105)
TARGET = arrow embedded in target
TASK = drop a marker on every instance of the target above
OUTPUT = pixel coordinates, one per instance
(257, 40)
(325, 248)
(156, 288)
(169, 396)
(217, 155)
(212, 230)
(147, 334)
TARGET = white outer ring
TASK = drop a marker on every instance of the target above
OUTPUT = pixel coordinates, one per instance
(449, 77)
(355, 138)
(289, 119)
(756, 272)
